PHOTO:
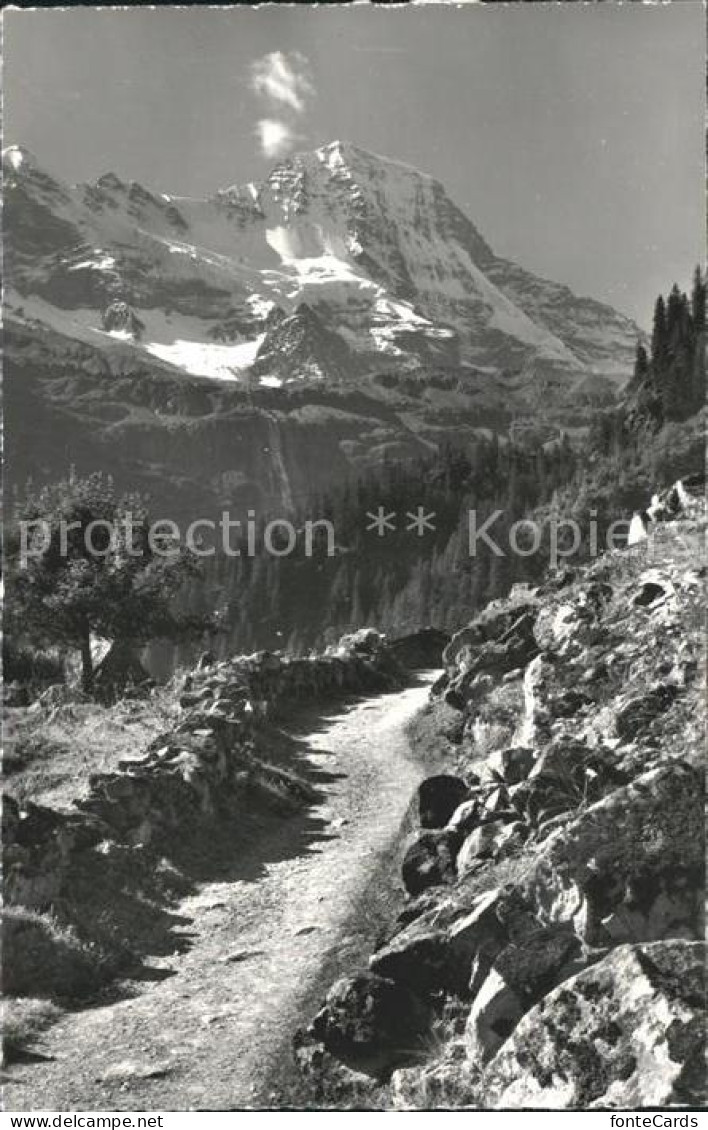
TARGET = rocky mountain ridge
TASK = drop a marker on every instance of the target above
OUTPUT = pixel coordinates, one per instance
(395, 269)
(345, 301)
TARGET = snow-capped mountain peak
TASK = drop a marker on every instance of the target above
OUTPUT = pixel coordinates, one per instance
(385, 261)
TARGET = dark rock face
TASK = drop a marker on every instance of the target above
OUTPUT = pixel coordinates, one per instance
(430, 861)
(649, 592)
(568, 703)
(639, 713)
(418, 958)
(120, 316)
(495, 624)
(421, 649)
(367, 1013)
(513, 764)
(301, 346)
(438, 797)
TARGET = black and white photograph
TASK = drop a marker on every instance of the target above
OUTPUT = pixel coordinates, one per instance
(354, 697)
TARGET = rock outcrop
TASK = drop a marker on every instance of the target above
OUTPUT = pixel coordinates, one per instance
(554, 923)
(627, 1033)
(120, 318)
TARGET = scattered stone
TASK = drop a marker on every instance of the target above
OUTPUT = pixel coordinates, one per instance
(593, 832)
(242, 955)
(495, 1013)
(127, 1070)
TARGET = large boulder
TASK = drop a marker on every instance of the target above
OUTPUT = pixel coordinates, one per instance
(638, 713)
(499, 620)
(475, 658)
(430, 860)
(628, 1033)
(365, 641)
(513, 764)
(557, 625)
(438, 797)
(477, 936)
(489, 841)
(522, 973)
(330, 1082)
(622, 851)
(366, 1013)
(418, 957)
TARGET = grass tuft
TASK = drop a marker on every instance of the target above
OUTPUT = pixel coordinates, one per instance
(23, 1021)
(44, 958)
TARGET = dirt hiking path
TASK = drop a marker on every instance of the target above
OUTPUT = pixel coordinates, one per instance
(214, 1033)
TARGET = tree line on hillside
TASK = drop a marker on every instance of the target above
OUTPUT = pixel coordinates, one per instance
(400, 582)
(668, 384)
(404, 579)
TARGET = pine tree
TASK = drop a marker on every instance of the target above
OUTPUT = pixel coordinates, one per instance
(641, 366)
(698, 301)
(659, 337)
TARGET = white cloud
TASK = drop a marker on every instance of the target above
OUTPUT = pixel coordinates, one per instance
(284, 79)
(276, 138)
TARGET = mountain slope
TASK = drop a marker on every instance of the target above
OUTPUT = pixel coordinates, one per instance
(345, 287)
(392, 265)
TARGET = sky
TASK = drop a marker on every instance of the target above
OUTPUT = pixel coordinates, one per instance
(572, 136)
